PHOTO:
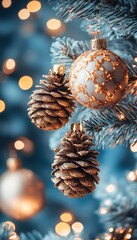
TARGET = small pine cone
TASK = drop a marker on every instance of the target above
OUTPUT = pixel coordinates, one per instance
(117, 234)
(52, 104)
(75, 168)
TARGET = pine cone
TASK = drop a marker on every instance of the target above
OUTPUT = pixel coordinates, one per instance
(117, 234)
(75, 168)
(52, 104)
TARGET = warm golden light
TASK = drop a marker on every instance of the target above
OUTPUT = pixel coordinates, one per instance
(135, 59)
(10, 64)
(77, 227)
(6, 3)
(111, 188)
(19, 145)
(34, 6)
(25, 82)
(28, 145)
(54, 24)
(2, 106)
(66, 217)
(128, 236)
(23, 14)
(62, 229)
(133, 146)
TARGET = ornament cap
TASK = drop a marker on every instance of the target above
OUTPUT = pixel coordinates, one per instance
(13, 163)
(59, 69)
(97, 44)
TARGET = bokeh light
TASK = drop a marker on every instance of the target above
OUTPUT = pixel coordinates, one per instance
(55, 27)
(6, 3)
(133, 146)
(62, 229)
(24, 144)
(19, 145)
(25, 82)
(132, 176)
(23, 14)
(9, 66)
(34, 6)
(102, 210)
(53, 24)
(2, 106)
(135, 59)
(111, 188)
(66, 217)
(77, 227)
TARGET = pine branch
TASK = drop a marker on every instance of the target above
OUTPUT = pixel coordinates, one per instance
(121, 212)
(73, 9)
(118, 23)
(113, 126)
(31, 236)
(6, 231)
(66, 50)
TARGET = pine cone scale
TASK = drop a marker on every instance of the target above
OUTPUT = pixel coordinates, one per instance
(75, 169)
(52, 104)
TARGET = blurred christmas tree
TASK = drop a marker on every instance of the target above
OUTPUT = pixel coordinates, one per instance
(103, 84)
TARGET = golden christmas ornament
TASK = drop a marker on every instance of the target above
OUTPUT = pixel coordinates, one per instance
(98, 77)
(21, 192)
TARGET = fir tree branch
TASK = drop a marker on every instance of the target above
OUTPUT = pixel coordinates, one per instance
(113, 126)
(121, 212)
(31, 236)
(72, 9)
(66, 50)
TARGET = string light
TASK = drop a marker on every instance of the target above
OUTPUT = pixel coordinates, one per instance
(55, 27)
(9, 66)
(6, 3)
(102, 210)
(111, 188)
(107, 202)
(135, 59)
(19, 145)
(25, 82)
(77, 227)
(133, 146)
(66, 217)
(23, 14)
(2, 106)
(34, 6)
(132, 176)
(62, 229)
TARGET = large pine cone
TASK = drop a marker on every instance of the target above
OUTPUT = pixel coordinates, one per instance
(75, 168)
(52, 104)
(117, 234)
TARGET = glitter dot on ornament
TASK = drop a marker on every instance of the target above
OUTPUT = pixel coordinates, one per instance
(98, 77)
